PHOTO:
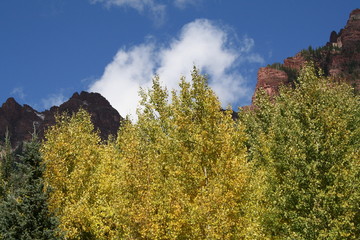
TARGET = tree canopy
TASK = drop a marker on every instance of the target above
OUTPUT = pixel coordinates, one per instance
(306, 141)
(286, 169)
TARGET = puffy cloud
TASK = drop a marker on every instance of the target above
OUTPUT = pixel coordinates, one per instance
(123, 77)
(200, 43)
(212, 48)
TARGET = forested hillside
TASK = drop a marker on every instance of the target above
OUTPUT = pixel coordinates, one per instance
(286, 169)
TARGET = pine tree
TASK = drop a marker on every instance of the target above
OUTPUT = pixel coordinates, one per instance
(6, 164)
(24, 210)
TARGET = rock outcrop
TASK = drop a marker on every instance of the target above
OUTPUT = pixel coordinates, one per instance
(339, 58)
(349, 37)
(270, 79)
(20, 121)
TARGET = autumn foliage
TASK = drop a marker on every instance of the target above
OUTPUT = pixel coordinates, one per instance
(288, 169)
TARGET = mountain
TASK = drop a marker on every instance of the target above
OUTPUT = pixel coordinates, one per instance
(20, 121)
(339, 58)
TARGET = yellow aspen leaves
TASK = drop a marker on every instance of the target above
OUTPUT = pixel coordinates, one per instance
(187, 173)
(287, 169)
(179, 172)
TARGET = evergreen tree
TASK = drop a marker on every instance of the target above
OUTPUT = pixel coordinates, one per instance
(24, 210)
(6, 164)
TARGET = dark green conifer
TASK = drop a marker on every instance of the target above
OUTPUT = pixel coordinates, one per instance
(24, 210)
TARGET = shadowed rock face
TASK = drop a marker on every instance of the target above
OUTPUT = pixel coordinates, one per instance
(340, 58)
(20, 121)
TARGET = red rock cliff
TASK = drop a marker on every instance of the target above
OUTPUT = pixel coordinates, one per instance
(339, 58)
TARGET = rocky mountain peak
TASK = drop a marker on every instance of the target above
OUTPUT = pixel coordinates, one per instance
(104, 116)
(354, 17)
(20, 121)
(11, 108)
(350, 35)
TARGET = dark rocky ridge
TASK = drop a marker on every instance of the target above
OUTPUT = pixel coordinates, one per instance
(20, 121)
(339, 58)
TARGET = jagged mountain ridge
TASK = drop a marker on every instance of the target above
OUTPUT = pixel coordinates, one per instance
(20, 120)
(339, 58)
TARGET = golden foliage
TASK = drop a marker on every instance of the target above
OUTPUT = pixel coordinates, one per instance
(288, 169)
(71, 157)
(179, 172)
(185, 165)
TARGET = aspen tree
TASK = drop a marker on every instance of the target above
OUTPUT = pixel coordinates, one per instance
(306, 142)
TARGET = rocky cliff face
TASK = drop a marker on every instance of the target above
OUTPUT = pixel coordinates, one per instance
(339, 58)
(20, 121)
(270, 79)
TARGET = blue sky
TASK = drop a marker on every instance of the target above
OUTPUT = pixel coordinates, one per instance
(50, 49)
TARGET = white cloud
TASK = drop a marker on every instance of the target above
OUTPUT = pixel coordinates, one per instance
(139, 5)
(55, 99)
(18, 92)
(212, 48)
(200, 43)
(156, 10)
(247, 44)
(123, 77)
(184, 3)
